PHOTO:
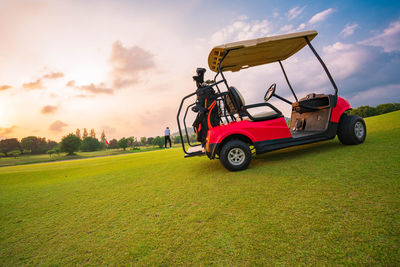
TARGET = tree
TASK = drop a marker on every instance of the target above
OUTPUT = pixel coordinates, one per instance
(103, 137)
(177, 139)
(385, 108)
(136, 143)
(70, 144)
(367, 111)
(51, 145)
(92, 133)
(85, 133)
(143, 140)
(123, 143)
(113, 143)
(193, 138)
(78, 133)
(7, 145)
(35, 145)
(131, 141)
(158, 141)
(150, 140)
(90, 144)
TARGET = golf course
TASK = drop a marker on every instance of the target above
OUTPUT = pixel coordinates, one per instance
(320, 204)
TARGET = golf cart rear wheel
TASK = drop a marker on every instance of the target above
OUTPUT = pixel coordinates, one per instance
(351, 130)
(235, 155)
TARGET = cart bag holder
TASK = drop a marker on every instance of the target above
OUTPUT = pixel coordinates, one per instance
(207, 112)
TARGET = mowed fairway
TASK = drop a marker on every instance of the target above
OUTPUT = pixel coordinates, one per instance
(321, 204)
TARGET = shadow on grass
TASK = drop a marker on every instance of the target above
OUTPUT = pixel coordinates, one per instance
(206, 166)
(299, 151)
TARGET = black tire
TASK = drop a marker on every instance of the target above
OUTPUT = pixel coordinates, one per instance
(351, 130)
(235, 155)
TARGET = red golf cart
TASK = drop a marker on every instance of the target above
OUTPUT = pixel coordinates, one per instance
(230, 130)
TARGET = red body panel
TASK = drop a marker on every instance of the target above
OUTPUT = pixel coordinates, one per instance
(256, 131)
(341, 106)
(263, 130)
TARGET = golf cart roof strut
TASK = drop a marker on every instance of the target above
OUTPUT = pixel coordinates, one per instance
(323, 65)
(287, 80)
(225, 82)
(219, 68)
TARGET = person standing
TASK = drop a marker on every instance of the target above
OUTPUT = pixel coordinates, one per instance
(167, 135)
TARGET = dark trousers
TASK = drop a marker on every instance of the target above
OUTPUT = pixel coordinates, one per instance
(167, 138)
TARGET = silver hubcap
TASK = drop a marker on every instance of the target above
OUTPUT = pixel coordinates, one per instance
(359, 130)
(236, 156)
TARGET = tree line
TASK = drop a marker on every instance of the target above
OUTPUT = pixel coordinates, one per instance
(84, 141)
(367, 111)
(87, 141)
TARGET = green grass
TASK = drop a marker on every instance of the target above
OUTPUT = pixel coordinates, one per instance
(29, 159)
(321, 204)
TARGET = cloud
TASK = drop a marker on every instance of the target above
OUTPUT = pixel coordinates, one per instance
(384, 93)
(49, 109)
(38, 84)
(57, 126)
(96, 89)
(4, 132)
(53, 75)
(242, 30)
(301, 26)
(294, 12)
(389, 40)
(100, 88)
(70, 83)
(321, 16)
(286, 28)
(33, 85)
(243, 17)
(128, 63)
(345, 59)
(84, 96)
(348, 30)
(5, 87)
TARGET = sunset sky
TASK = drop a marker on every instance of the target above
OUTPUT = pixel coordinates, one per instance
(123, 66)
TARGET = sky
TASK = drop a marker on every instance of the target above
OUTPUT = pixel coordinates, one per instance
(122, 67)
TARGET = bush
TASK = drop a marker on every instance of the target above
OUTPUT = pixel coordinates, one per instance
(70, 144)
(8, 145)
(34, 144)
(90, 144)
(123, 143)
(113, 144)
(158, 141)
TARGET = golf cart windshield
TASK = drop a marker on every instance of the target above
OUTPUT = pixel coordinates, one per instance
(256, 52)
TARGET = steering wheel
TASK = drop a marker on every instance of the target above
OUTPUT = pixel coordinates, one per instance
(270, 92)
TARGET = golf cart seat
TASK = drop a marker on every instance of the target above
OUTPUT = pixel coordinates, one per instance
(236, 105)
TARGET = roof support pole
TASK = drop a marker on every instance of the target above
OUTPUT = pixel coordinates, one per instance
(226, 83)
(324, 66)
(219, 68)
(287, 80)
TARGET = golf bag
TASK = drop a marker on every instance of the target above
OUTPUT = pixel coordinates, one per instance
(207, 112)
(206, 108)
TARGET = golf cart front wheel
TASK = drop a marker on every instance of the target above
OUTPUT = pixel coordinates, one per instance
(351, 130)
(235, 155)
